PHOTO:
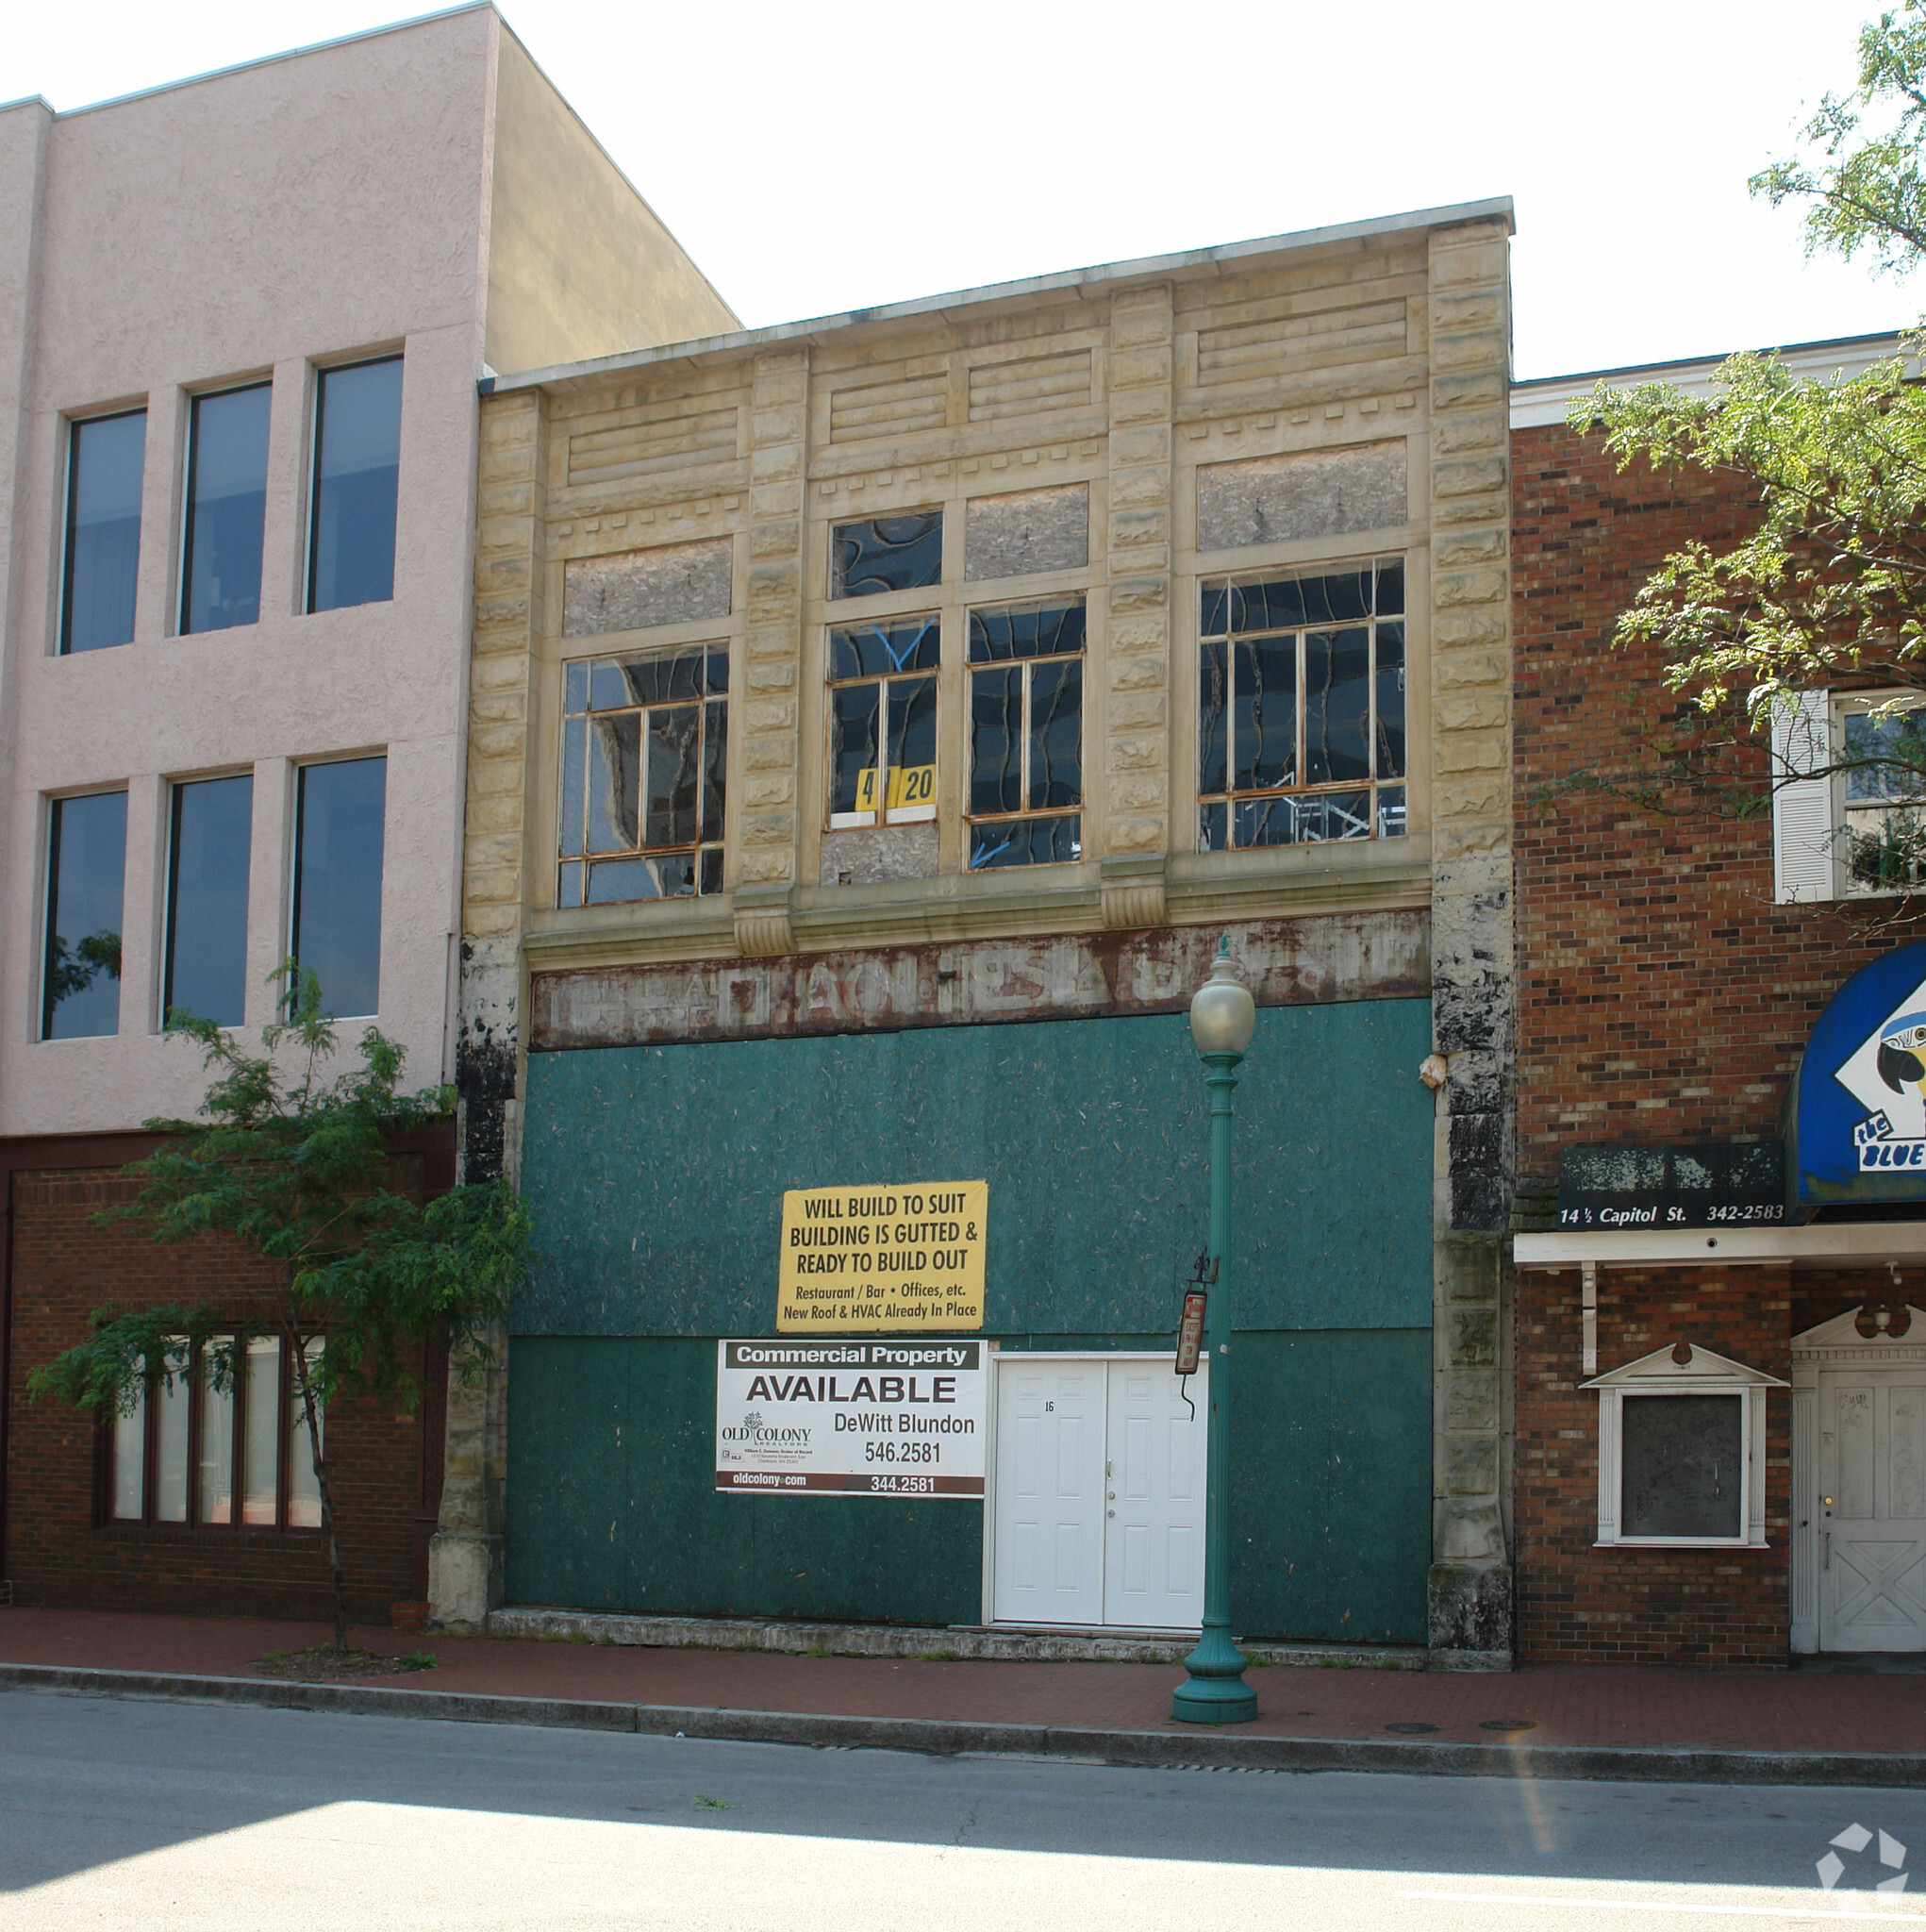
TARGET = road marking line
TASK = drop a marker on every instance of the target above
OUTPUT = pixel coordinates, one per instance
(1630, 1905)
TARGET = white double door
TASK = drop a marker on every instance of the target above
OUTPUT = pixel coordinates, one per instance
(1097, 1502)
(1872, 1509)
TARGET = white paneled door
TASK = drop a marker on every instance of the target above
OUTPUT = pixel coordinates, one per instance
(1098, 1505)
(1872, 1509)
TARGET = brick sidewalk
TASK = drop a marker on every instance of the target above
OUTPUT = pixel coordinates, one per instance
(1799, 1712)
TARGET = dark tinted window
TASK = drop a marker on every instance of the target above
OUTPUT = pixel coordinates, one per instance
(207, 899)
(87, 847)
(227, 495)
(357, 458)
(1683, 1466)
(338, 882)
(104, 461)
(887, 553)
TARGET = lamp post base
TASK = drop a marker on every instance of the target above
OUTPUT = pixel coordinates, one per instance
(1215, 1691)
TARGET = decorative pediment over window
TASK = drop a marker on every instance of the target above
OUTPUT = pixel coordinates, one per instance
(1682, 1451)
(1840, 1339)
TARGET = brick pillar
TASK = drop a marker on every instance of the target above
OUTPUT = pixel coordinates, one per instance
(766, 822)
(1473, 972)
(1137, 713)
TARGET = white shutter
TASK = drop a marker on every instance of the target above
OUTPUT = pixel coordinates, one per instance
(1803, 804)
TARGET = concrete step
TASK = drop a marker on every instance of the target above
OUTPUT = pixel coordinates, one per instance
(941, 1642)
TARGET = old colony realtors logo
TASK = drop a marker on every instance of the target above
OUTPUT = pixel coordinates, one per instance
(1864, 1872)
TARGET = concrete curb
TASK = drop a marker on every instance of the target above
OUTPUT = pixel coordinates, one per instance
(944, 1738)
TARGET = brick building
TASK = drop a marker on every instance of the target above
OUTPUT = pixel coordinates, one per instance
(1672, 970)
(242, 319)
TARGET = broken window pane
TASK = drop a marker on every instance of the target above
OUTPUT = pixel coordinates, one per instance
(1683, 1464)
(1026, 630)
(1290, 708)
(882, 725)
(615, 769)
(887, 553)
(876, 650)
(1026, 842)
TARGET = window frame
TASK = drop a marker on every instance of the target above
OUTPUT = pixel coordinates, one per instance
(295, 825)
(706, 847)
(316, 428)
(63, 621)
(49, 907)
(922, 811)
(1653, 1378)
(1027, 815)
(190, 1524)
(1225, 583)
(189, 457)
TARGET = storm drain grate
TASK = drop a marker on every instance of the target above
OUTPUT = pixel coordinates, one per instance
(1508, 1724)
(1412, 1730)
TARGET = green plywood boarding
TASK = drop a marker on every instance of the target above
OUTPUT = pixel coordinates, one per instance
(611, 1502)
(657, 1173)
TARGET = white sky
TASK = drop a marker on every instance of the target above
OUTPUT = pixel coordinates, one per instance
(814, 158)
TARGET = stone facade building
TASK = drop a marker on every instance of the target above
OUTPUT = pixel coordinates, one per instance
(875, 723)
(242, 323)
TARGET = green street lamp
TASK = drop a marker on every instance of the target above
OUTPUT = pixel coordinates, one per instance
(1222, 1015)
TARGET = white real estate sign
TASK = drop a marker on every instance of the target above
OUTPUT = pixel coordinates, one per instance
(903, 1418)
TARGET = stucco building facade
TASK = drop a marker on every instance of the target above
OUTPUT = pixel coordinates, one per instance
(242, 323)
(874, 725)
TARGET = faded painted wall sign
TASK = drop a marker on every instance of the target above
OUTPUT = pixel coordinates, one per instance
(1336, 957)
(886, 1418)
(907, 1259)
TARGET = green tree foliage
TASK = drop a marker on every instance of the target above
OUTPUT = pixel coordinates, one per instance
(1829, 588)
(288, 1160)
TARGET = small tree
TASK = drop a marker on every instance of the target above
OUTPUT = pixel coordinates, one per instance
(1830, 585)
(292, 1166)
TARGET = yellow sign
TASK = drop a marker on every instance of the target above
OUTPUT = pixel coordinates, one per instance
(909, 784)
(891, 1259)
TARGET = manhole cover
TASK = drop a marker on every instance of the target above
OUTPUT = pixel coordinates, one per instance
(1507, 1724)
(1411, 1730)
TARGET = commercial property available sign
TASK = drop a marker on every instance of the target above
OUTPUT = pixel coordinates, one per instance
(882, 1260)
(898, 1418)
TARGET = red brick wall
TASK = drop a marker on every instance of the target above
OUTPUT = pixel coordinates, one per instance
(1663, 997)
(1718, 1608)
(58, 1549)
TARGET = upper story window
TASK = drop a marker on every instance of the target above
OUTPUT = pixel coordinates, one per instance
(644, 754)
(86, 850)
(104, 456)
(1885, 754)
(205, 954)
(1026, 696)
(226, 506)
(1301, 708)
(1848, 794)
(356, 465)
(336, 929)
(883, 553)
(883, 721)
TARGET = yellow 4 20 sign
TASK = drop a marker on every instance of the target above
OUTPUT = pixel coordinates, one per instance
(890, 1259)
(908, 785)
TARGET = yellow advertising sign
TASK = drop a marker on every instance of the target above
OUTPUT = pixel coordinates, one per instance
(893, 1259)
(909, 784)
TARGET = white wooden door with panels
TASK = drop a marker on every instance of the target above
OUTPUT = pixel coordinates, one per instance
(1097, 1498)
(1859, 1488)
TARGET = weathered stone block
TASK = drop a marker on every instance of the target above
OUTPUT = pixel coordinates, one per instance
(674, 583)
(1466, 477)
(1027, 532)
(1135, 835)
(1325, 492)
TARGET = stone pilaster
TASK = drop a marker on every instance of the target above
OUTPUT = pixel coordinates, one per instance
(1473, 972)
(1137, 709)
(766, 819)
(465, 1553)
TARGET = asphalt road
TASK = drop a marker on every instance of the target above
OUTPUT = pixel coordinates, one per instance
(160, 1816)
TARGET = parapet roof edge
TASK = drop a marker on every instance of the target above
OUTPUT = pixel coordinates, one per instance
(1543, 399)
(1003, 291)
(371, 33)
